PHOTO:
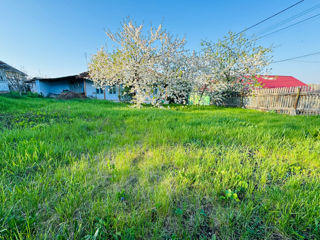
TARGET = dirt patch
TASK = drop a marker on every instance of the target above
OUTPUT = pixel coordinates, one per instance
(71, 95)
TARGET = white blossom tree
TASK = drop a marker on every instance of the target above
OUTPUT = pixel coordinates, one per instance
(155, 67)
(231, 66)
(106, 69)
(151, 64)
(176, 81)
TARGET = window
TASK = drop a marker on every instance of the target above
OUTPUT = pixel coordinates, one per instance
(99, 90)
(112, 90)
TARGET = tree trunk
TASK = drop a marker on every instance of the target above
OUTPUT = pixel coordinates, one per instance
(201, 95)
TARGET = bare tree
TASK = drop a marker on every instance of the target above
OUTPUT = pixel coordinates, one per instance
(17, 82)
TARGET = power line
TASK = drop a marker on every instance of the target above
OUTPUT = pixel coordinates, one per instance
(303, 61)
(289, 26)
(246, 29)
(290, 19)
(293, 58)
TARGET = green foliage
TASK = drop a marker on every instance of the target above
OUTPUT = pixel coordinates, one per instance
(33, 95)
(89, 169)
(230, 195)
(14, 94)
(196, 99)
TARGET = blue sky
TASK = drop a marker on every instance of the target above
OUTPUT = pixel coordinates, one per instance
(51, 38)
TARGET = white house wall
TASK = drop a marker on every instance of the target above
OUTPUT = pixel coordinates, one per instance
(112, 97)
(4, 86)
(92, 92)
(34, 86)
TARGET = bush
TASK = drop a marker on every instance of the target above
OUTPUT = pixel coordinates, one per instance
(33, 95)
(14, 94)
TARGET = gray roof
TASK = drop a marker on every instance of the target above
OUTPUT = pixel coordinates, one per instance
(7, 67)
(79, 77)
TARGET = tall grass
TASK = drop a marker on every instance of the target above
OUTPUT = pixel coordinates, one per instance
(86, 169)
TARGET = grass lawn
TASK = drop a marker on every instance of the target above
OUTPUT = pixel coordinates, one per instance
(88, 169)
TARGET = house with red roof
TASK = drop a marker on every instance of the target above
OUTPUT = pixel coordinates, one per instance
(272, 81)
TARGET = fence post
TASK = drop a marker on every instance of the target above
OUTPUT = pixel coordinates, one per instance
(297, 101)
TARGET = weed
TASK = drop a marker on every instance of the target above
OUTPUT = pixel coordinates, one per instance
(89, 169)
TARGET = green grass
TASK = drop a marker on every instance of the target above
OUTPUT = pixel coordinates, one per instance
(87, 169)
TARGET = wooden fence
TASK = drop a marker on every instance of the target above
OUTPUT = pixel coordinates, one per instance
(295, 100)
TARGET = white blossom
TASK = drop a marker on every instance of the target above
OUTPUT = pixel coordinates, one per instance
(231, 66)
(153, 65)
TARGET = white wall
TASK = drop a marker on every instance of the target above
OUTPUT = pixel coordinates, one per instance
(4, 86)
(92, 92)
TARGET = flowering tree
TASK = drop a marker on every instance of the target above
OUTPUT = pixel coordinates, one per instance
(231, 66)
(106, 69)
(177, 78)
(152, 65)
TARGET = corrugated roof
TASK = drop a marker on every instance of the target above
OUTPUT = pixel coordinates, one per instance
(273, 81)
(7, 67)
(80, 76)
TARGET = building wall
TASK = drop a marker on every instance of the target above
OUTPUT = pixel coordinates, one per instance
(33, 86)
(56, 87)
(77, 87)
(92, 92)
(4, 86)
(45, 87)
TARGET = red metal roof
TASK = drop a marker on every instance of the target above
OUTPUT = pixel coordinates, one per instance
(272, 81)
